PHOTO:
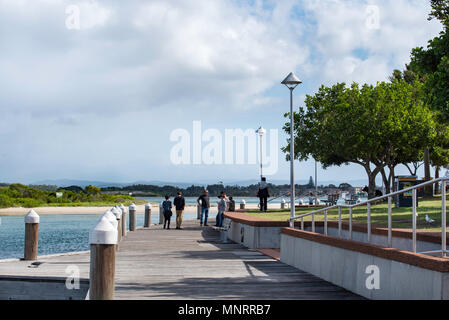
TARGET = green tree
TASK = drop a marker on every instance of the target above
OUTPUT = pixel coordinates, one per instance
(92, 190)
(372, 126)
(432, 68)
(440, 11)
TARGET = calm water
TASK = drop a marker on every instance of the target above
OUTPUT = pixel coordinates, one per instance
(57, 233)
(249, 200)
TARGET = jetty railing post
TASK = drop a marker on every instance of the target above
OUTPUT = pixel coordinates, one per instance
(339, 222)
(132, 217)
(198, 212)
(414, 220)
(368, 208)
(313, 223)
(302, 224)
(390, 224)
(123, 208)
(147, 221)
(350, 223)
(103, 240)
(325, 223)
(161, 214)
(31, 235)
(443, 218)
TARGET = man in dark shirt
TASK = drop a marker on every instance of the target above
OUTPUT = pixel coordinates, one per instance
(205, 205)
(180, 204)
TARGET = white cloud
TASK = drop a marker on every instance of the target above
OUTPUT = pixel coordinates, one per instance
(343, 28)
(100, 102)
(210, 52)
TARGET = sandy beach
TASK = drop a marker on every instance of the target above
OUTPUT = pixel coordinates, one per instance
(96, 210)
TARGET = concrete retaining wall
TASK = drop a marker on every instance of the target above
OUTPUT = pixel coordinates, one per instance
(347, 268)
(40, 288)
(254, 237)
(400, 243)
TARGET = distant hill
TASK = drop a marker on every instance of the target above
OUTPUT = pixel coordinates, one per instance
(243, 183)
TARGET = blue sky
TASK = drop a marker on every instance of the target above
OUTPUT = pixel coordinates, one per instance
(99, 102)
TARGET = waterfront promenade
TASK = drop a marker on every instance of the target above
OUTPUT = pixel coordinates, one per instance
(190, 264)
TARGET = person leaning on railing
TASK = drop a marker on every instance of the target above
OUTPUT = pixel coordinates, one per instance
(231, 204)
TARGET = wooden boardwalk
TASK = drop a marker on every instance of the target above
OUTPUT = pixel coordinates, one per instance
(190, 264)
(193, 264)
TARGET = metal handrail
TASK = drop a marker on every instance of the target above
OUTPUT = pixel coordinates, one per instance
(368, 203)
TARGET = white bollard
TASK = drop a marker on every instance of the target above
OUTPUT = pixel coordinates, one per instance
(31, 235)
(103, 240)
(283, 202)
(161, 214)
(110, 217)
(118, 215)
(198, 211)
(132, 217)
(123, 208)
(242, 204)
(147, 222)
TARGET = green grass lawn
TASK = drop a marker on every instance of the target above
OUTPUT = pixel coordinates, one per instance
(401, 217)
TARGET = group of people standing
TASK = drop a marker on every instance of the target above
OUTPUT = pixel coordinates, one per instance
(180, 204)
(224, 204)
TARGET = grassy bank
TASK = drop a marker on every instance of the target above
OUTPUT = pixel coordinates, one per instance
(18, 195)
(401, 217)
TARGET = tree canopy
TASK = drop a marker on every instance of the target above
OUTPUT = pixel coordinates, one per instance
(372, 126)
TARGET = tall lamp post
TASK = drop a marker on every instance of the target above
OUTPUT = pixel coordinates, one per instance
(261, 131)
(291, 82)
(316, 183)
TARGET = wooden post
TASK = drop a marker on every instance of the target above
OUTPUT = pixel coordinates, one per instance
(198, 212)
(118, 215)
(161, 214)
(123, 208)
(242, 204)
(147, 222)
(31, 235)
(132, 217)
(102, 239)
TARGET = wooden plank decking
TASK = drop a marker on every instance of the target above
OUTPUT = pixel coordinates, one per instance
(190, 264)
(193, 264)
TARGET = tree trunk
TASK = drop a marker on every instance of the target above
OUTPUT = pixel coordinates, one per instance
(386, 180)
(372, 186)
(391, 179)
(428, 189)
(437, 175)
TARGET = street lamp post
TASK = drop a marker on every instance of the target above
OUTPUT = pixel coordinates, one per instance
(291, 82)
(316, 183)
(261, 131)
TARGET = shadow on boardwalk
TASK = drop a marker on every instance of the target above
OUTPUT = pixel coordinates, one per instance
(193, 264)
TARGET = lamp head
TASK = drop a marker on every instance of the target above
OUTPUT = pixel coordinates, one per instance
(292, 81)
(261, 131)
